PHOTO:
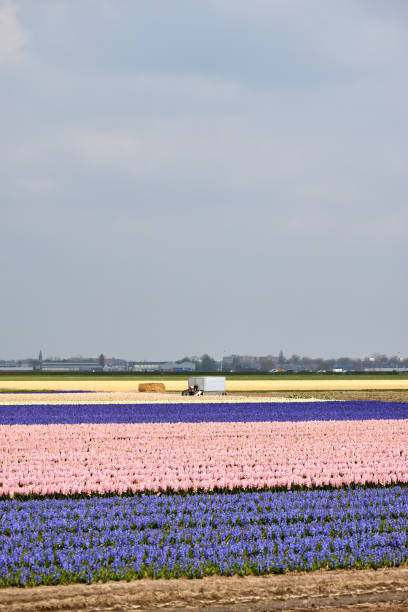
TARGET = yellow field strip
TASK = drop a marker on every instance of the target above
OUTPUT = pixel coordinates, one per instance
(315, 385)
(232, 385)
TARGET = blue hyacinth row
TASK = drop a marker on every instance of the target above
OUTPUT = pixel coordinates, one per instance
(55, 541)
(195, 413)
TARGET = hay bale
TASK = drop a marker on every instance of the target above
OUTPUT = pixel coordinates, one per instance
(152, 387)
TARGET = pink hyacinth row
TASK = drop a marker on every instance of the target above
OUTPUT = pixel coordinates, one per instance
(68, 459)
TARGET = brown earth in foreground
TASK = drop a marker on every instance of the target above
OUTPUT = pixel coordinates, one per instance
(368, 590)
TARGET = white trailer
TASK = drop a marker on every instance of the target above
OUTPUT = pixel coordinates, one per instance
(200, 385)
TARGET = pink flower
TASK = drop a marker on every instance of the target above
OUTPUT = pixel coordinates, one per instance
(117, 457)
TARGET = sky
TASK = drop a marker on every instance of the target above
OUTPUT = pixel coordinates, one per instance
(203, 176)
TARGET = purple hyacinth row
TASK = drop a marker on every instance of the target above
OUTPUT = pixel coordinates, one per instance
(55, 541)
(196, 413)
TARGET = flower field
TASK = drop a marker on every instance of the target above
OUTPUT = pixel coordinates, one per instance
(92, 458)
(231, 412)
(55, 541)
(90, 492)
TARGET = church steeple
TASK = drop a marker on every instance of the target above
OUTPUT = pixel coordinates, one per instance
(40, 356)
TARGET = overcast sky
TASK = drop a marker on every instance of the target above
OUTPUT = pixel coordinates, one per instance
(189, 176)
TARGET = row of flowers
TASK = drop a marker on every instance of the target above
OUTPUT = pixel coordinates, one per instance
(115, 458)
(196, 413)
(56, 541)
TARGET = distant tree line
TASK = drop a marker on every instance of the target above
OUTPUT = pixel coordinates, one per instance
(240, 363)
(295, 362)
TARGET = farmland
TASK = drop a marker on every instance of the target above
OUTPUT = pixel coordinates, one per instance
(93, 491)
(200, 535)
(201, 456)
(175, 382)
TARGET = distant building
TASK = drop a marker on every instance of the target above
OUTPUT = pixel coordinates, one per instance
(117, 365)
(248, 362)
(16, 368)
(147, 366)
(164, 366)
(70, 366)
(12, 365)
(385, 370)
(182, 366)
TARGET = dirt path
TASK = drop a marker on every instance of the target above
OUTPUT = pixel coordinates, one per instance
(119, 397)
(390, 395)
(368, 590)
(129, 397)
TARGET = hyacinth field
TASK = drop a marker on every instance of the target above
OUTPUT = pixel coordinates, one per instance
(99, 492)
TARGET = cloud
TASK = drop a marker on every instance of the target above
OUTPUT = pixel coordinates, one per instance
(38, 186)
(349, 35)
(12, 35)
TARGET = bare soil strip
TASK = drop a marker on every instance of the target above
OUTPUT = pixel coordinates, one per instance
(129, 397)
(118, 397)
(383, 395)
(383, 589)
